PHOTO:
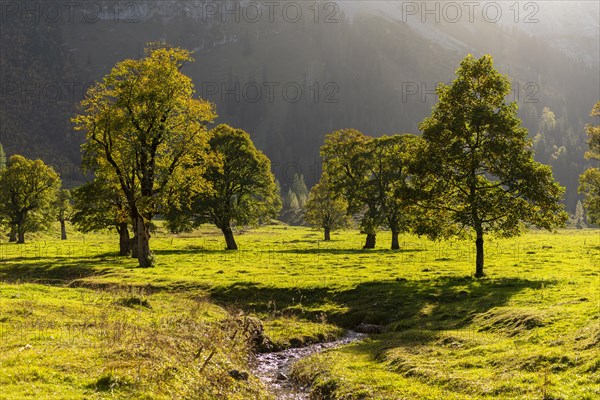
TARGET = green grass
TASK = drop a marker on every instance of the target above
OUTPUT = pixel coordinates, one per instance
(73, 343)
(77, 321)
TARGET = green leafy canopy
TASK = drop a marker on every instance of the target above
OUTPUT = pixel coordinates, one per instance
(28, 191)
(243, 189)
(486, 177)
(589, 182)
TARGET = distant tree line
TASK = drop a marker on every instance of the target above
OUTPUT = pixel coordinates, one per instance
(294, 201)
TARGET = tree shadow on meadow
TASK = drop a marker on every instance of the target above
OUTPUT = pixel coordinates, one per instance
(317, 251)
(437, 303)
(59, 271)
(217, 250)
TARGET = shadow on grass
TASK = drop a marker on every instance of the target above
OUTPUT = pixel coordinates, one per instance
(299, 251)
(346, 251)
(445, 302)
(58, 272)
(439, 303)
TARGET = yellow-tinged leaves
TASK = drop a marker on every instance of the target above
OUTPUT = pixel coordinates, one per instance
(144, 127)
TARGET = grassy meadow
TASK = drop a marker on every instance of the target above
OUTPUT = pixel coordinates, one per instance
(78, 322)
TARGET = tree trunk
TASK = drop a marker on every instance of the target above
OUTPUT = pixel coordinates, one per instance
(12, 236)
(327, 234)
(20, 234)
(395, 244)
(479, 259)
(370, 242)
(229, 239)
(133, 242)
(124, 241)
(133, 246)
(63, 230)
(144, 253)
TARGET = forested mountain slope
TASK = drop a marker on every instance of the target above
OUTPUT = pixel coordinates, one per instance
(365, 65)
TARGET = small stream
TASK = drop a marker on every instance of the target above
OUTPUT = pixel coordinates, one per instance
(274, 368)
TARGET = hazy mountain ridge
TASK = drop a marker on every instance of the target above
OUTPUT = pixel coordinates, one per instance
(573, 27)
(570, 26)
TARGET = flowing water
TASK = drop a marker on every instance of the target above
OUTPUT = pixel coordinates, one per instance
(274, 368)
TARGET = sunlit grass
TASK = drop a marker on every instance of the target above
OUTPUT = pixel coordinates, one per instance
(530, 329)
